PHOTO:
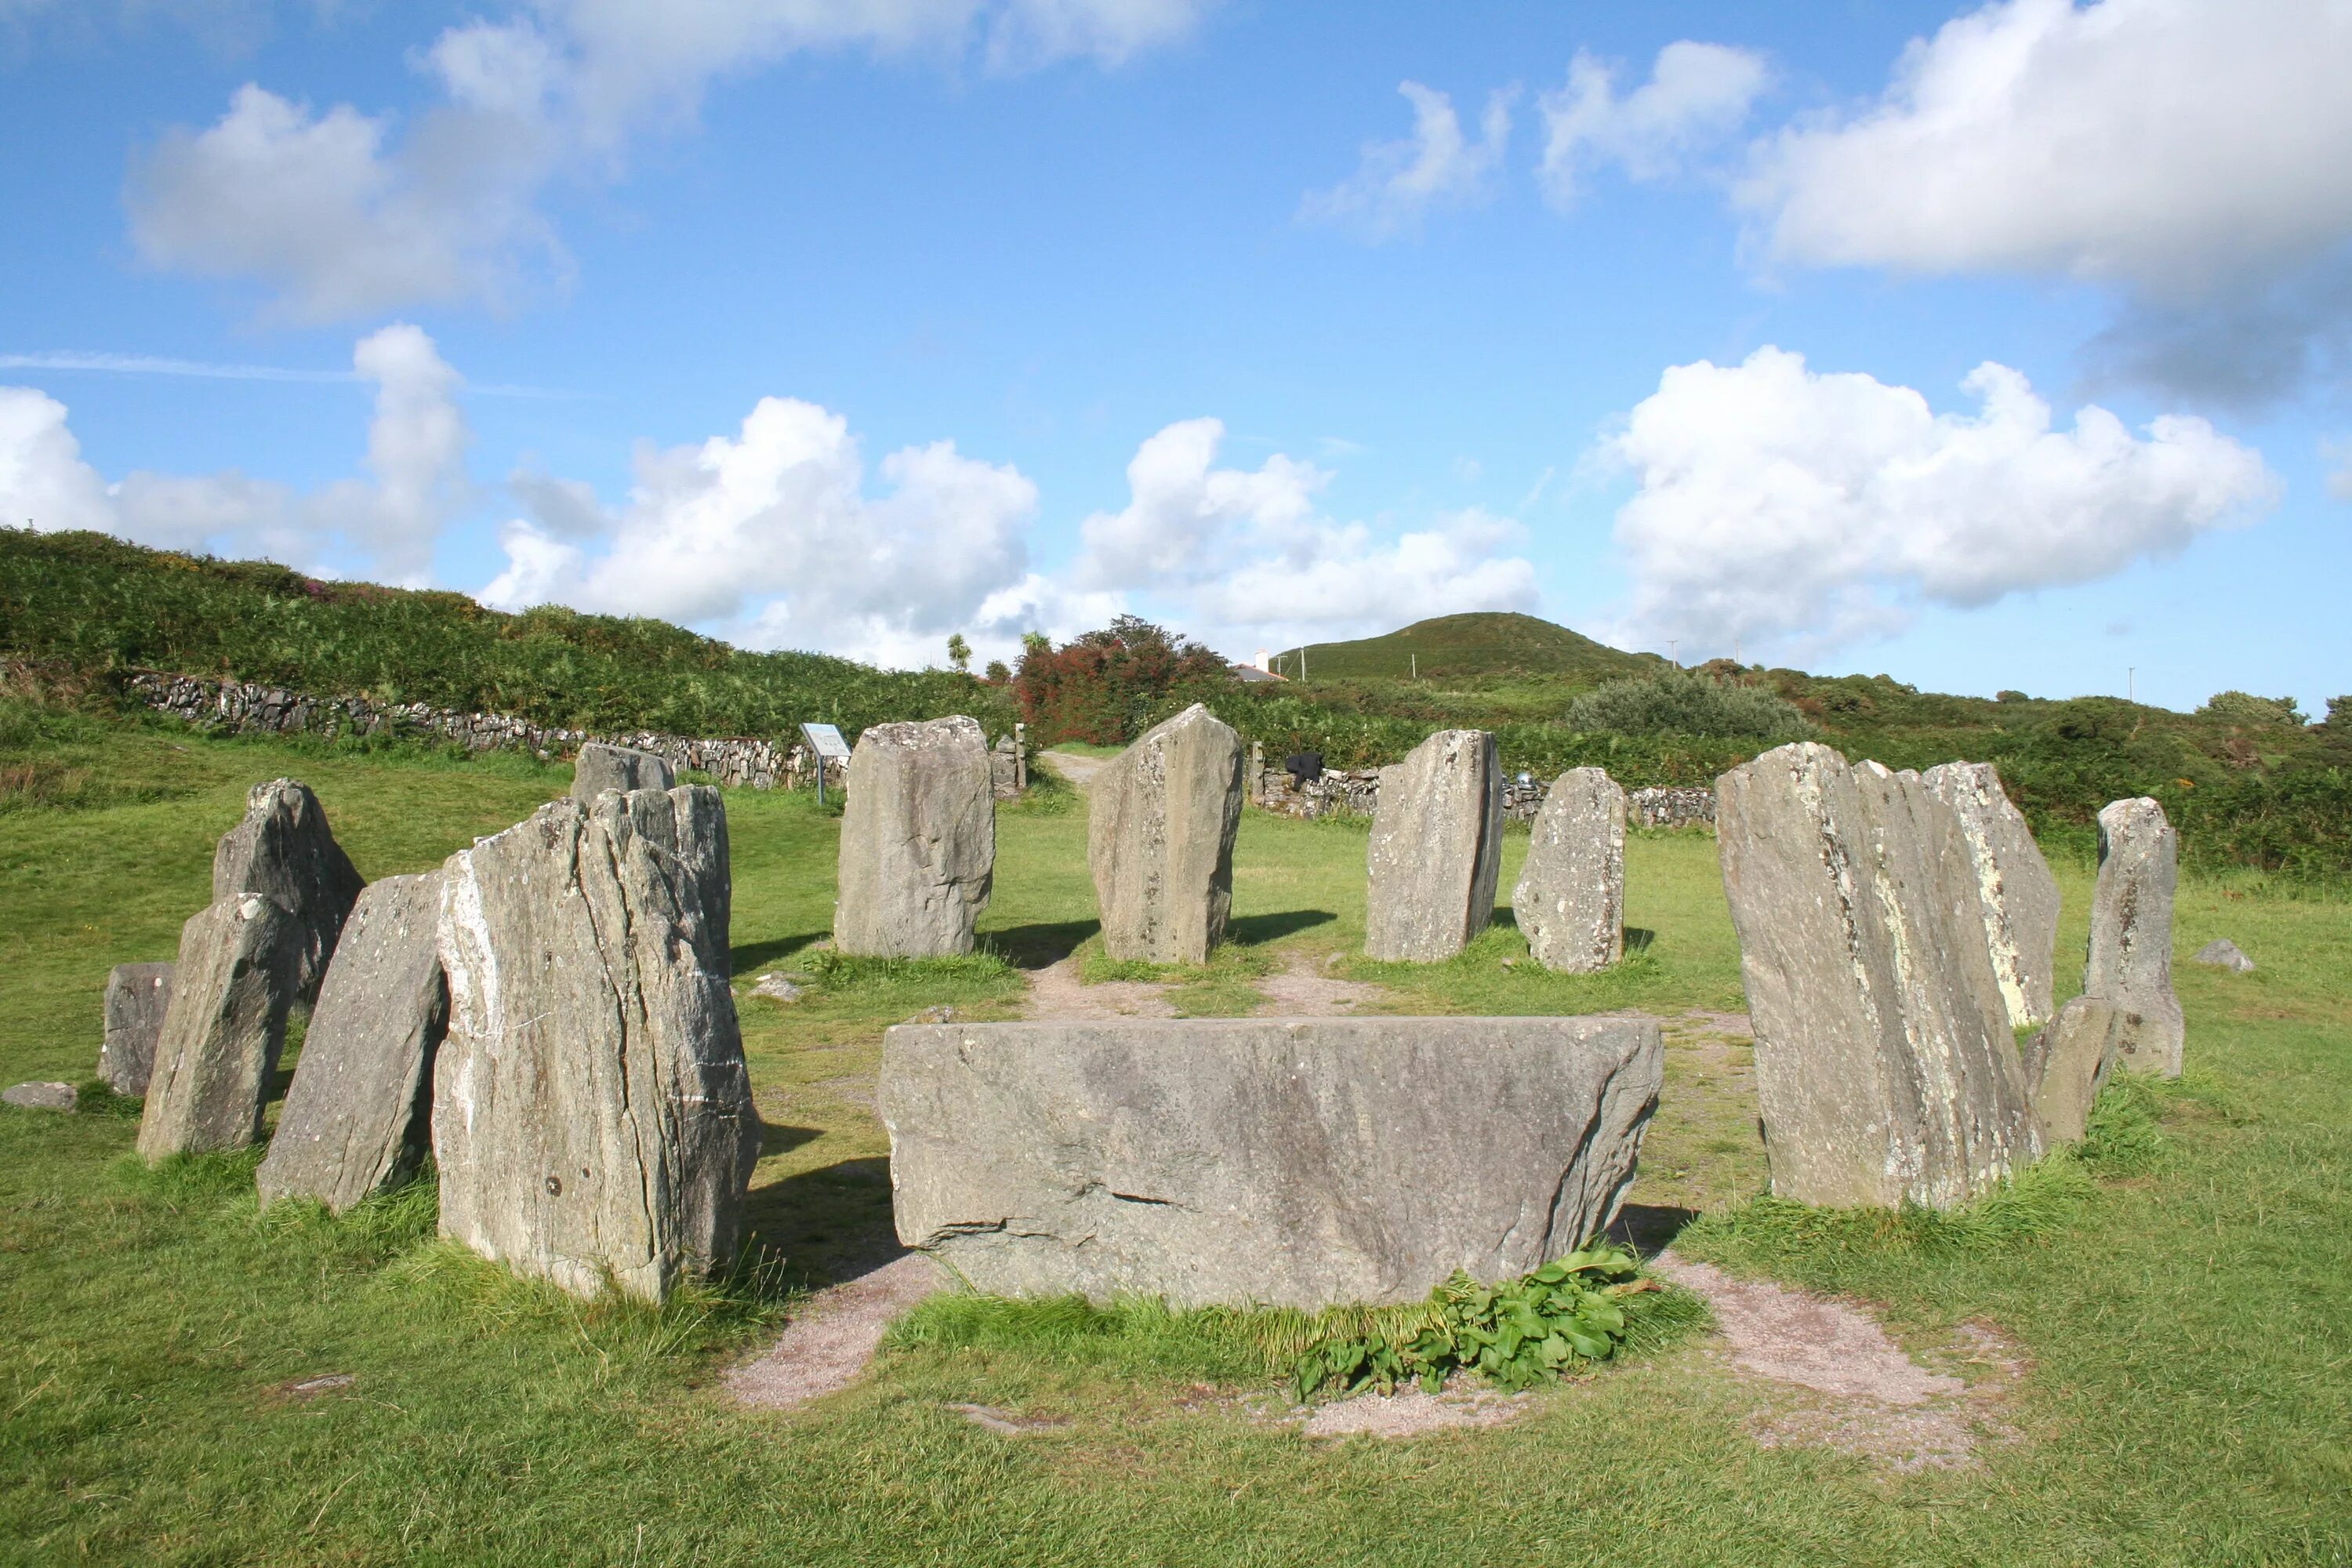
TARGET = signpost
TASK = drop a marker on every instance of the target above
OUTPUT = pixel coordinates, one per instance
(826, 740)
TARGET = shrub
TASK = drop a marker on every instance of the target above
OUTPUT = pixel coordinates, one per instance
(1104, 686)
(1687, 702)
(2246, 708)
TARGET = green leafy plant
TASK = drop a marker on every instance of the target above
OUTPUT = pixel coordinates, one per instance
(1688, 702)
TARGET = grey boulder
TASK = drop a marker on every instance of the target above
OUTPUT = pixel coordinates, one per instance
(217, 1053)
(2067, 1063)
(592, 1115)
(1436, 850)
(356, 1116)
(1159, 839)
(2224, 954)
(284, 850)
(602, 766)
(137, 997)
(51, 1096)
(2015, 891)
(917, 840)
(1571, 898)
(1302, 1162)
(2130, 961)
(1884, 1061)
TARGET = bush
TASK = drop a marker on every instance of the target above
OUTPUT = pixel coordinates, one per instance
(1104, 687)
(1687, 702)
(2246, 708)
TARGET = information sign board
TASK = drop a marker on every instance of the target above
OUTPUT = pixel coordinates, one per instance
(826, 740)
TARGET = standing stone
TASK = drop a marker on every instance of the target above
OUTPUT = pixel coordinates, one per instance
(2014, 887)
(2067, 1064)
(1159, 839)
(1437, 849)
(917, 840)
(217, 1053)
(1884, 1061)
(602, 766)
(1570, 901)
(591, 1116)
(2131, 934)
(356, 1116)
(1302, 1162)
(137, 995)
(283, 850)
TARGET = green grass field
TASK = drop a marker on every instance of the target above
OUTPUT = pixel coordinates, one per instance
(2181, 1323)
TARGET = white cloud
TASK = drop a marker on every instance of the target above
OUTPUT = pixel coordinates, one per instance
(1781, 504)
(44, 483)
(1697, 95)
(2339, 479)
(1181, 509)
(1437, 166)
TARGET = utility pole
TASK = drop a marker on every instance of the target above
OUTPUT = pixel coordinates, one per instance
(1302, 664)
(1672, 643)
(2131, 683)
(1416, 665)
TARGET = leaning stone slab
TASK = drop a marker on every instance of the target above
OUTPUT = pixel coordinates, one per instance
(41, 1096)
(2067, 1063)
(137, 995)
(1159, 839)
(2224, 954)
(917, 840)
(2130, 960)
(356, 1116)
(1300, 1163)
(284, 850)
(2015, 890)
(1570, 901)
(1884, 1061)
(591, 1117)
(602, 766)
(1436, 850)
(217, 1053)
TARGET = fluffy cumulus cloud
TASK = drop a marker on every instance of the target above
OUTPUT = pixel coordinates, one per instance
(1696, 96)
(1437, 166)
(1783, 506)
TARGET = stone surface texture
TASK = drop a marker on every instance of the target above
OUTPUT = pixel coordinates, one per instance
(217, 1053)
(2067, 1063)
(2130, 962)
(1159, 839)
(1436, 850)
(357, 1115)
(2015, 889)
(284, 850)
(1289, 1162)
(51, 1096)
(1571, 898)
(137, 995)
(2224, 954)
(917, 840)
(591, 1117)
(602, 766)
(1884, 1061)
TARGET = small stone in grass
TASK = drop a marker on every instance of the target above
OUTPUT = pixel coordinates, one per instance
(2224, 954)
(41, 1096)
(777, 988)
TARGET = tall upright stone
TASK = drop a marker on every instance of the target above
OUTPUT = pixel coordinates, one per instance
(591, 1117)
(602, 766)
(357, 1115)
(2130, 963)
(2015, 890)
(917, 840)
(284, 850)
(1159, 839)
(2067, 1062)
(231, 991)
(1570, 901)
(1884, 1061)
(137, 998)
(1436, 850)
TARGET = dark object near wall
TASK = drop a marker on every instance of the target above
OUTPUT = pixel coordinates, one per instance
(1303, 767)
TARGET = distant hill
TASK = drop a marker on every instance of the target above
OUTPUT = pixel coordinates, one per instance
(1488, 645)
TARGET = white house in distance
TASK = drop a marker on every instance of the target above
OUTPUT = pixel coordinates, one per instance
(1260, 669)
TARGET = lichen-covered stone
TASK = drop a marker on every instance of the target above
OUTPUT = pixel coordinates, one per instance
(1159, 839)
(1571, 898)
(602, 766)
(1436, 850)
(217, 1053)
(917, 840)
(356, 1116)
(2224, 954)
(48, 1096)
(1300, 1163)
(2018, 895)
(137, 997)
(2067, 1063)
(284, 850)
(2130, 962)
(1885, 1062)
(591, 1117)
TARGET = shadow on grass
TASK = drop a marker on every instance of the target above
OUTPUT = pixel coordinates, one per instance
(1254, 931)
(830, 1224)
(1040, 942)
(747, 957)
(1638, 939)
(1649, 1228)
(775, 1139)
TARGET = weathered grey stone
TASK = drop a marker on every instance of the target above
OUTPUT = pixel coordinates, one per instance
(284, 850)
(1292, 1162)
(1884, 1060)
(2015, 889)
(591, 1117)
(1570, 901)
(2224, 954)
(917, 840)
(1159, 839)
(356, 1116)
(2130, 962)
(41, 1096)
(602, 766)
(136, 998)
(2067, 1063)
(217, 1056)
(1436, 850)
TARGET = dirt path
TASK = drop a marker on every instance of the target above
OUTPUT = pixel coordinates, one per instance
(1303, 991)
(1079, 770)
(1057, 992)
(828, 1343)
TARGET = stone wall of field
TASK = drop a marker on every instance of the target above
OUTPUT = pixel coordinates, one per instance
(1355, 792)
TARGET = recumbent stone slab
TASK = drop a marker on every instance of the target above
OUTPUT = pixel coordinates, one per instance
(2224, 954)
(1570, 900)
(1300, 1163)
(217, 1052)
(137, 995)
(917, 840)
(2015, 890)
(357, 1115)
(591, 1117)
(284, 850)
(48, 1096)
(2130, 961)
(1437, 849)
(1159, 839)
(1884, 1061)
(602, 766)
(2067, 1063)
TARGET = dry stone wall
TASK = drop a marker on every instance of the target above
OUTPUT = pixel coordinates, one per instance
(1356, 792)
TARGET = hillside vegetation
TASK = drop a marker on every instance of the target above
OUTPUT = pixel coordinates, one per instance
(1484, 648)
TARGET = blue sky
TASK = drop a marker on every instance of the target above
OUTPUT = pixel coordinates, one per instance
(850, 323)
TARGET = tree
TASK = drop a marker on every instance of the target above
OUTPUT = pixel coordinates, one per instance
(960, 653)
(1103, 686)
(998, 674)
